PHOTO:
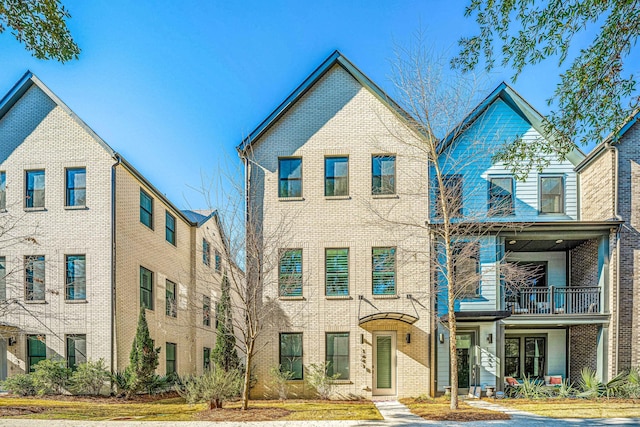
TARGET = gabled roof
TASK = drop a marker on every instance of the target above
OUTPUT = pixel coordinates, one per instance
(336, 58)
(520, 106)
(199, 217)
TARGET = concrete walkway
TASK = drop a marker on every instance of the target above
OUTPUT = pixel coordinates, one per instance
(395, 415)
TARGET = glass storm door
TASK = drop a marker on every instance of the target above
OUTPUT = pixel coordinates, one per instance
(464, 349)
(384, 363)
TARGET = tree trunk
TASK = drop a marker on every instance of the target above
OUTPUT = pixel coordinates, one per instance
(247, 377)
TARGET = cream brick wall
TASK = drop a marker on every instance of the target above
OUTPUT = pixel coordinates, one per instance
(597, 188)
(340, 117)
(38, 134)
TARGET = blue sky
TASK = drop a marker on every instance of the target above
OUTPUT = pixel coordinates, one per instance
(175, 86)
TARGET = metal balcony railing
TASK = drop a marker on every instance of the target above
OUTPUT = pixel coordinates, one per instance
(555, 300)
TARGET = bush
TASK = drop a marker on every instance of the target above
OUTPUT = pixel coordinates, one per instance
(120, 380)
(566, 389)
(21, 384)
(631, 387)
(214, 387)
(531, 388)
(279, 379)
(51, 376)
(591, 387)
(160, 383)
(321, 382)
(143, 359)
(89, 378)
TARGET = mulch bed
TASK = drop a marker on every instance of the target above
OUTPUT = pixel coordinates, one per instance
(237, 414)
(9, 411)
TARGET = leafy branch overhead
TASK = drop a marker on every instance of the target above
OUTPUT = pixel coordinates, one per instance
(596, 94)
(41, 26)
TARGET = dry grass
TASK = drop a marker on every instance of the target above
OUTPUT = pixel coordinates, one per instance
(438, 410)
(171, 408)
(577, 408)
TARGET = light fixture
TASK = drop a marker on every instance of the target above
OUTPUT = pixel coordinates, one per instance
(559, 241)
(361, 338)
(512, 242)
(441, 338)
(490, 338)
(12, 341)
(407, 338)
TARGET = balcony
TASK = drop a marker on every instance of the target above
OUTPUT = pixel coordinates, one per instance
(554, 300)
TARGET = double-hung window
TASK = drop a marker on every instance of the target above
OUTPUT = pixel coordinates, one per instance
(3, 278)
(384, 271)
(36, 350)
(171, 353)
(338, 354)
(500, 196)
(76, 350)
(146, 209)
(34, 277)
(76, 185)
(217, 258)
(383, 175)
(34, 197)
(76, 278)
(466, 269)
(171, 305)
(290, 277)
(452, 195)
(206, 310)
(337, 272)
(3, 191)
(291, 354)
(551, 194)
(170, 228)
(206, 358)
(206, 252)
(146, 288)
(290, 177)
(336, 176)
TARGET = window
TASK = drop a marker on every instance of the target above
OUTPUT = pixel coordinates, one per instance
(336, 272)
(500, 196)
(290, 177)
(146, 209)
(218, 262)
(206, 358)
(3, 191)
(291, 354)
(336, 176)
(525, 356)
(290, 277)
(76, 187)
(551, 194)
(466, 269)
(384, 271)
(3, 278)
(383, 176)
(171, 358)
(76, 278)
(34, 278)
(338, 354)
(36, 350)
(146, 288)
(452, 195)
(34, 197)
(76, 350)
(170, 232)
(171, 306)
(206, 310)
(206, 252)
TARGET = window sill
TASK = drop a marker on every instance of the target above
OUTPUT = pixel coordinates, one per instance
(292, 298)
(385, 196)
(3, 211)
(35, 209)
(76, 208)
(339, 382)
(337, 197)
(296, 381)
(76, 301)
(338, 297)
(386, 296)
(290, 199)
(35, 302)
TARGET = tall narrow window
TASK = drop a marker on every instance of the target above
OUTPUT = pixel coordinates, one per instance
(500, 196)
(3, 191)
(206, 358)
(34, 278)
(146, 288)
(76, 187)
(290, 177)
(206, 252)
(76, 350)
(336, 176)
(291, 354)
(453, 196)
(3, 278)
(338, 354)
(534, 356)
(171, 353)
(170, 232)
(171, 306)
(551, 194)
(466, 269)
(34, 197)
(512, 357)
(383, 177)
(384, 271)
(36, 350)
(206, 310)
(218, 261)
(76, 277)
(146, 209)
(290, 277)
(337, 272)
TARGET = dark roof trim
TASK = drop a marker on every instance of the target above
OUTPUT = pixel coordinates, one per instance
(389, 315)
(478, 316)
(336, 58)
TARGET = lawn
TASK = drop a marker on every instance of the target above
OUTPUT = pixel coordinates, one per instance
(576, 408)
(175, 409)
(438, 410)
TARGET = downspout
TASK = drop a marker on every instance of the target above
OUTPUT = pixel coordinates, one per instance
(113, 258)
(619, 218)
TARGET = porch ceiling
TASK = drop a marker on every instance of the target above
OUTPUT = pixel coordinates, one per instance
(555, 320)
(528, 245)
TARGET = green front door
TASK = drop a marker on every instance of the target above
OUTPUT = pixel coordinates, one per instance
(384, 363)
